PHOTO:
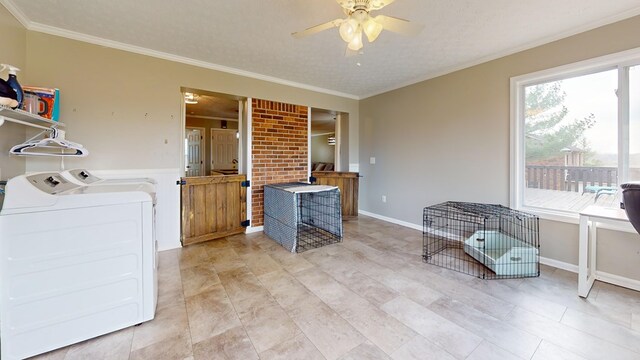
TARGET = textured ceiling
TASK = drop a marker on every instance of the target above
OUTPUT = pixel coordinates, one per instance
(254, 35)
(213, 107)
(323, 121)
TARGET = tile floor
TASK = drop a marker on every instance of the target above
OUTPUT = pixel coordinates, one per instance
(370, 297)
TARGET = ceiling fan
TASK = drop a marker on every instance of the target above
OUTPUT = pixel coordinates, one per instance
(359, 20)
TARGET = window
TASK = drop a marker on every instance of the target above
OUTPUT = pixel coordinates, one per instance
(575, 135)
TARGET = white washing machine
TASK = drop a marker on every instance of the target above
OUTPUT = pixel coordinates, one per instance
(76, 262)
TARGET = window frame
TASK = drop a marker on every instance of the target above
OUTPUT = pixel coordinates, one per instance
(621, 61)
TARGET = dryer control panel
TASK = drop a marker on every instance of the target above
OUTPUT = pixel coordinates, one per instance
(84, 176)
(51, 183)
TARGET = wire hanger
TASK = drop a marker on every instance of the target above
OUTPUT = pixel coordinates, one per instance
(54, 145)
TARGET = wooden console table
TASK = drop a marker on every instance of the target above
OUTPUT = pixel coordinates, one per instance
(347, 182)
(589, 218)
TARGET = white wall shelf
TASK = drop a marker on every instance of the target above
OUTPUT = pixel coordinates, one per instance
(26, 118)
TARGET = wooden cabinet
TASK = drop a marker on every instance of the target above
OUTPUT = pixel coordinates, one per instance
(347, 182)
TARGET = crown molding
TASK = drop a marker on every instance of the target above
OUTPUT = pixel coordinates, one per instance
(52, 30)
(515, 50)
(17, 13)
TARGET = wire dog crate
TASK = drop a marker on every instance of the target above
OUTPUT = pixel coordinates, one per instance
(300, 216)
(486, 241)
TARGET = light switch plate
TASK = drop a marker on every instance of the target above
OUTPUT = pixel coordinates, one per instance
(372, 160)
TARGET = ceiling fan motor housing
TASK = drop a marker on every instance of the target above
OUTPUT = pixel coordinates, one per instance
(366, 5)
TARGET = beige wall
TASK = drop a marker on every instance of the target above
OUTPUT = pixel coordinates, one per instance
(126, 108)
(321, 151)
(13, 51)
(448, 139)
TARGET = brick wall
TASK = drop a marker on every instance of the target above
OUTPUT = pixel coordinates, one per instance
(279, 149)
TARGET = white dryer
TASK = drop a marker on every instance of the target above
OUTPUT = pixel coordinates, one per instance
(76, 262)
(84, 177)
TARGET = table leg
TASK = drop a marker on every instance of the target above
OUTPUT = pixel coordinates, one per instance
(593, 232)
(583, 250)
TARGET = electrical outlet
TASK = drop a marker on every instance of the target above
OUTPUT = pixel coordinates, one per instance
(384, 198)
(372, 160)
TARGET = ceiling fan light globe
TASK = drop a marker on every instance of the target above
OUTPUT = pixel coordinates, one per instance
(356, 43)
(372, 29)
(348, 30)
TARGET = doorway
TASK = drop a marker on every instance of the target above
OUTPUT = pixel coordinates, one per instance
(329, 137)
(329, 141)
(219, 116)
(213, 192)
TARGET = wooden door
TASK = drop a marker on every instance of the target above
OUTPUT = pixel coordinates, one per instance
(212, 207)
(224, 149)
(193, 151)
(348, 183)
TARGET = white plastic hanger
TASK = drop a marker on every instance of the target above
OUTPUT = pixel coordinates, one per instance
(54, 145)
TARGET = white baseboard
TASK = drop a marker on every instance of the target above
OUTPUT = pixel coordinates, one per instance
(391, 220)
(618, 280)
(600, 275)
(169, 247)
(559, 264)
(254, 229)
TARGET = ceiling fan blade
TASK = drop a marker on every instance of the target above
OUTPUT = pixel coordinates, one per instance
(379, 4)
(318, 28)
(347, 4)
(399, 26)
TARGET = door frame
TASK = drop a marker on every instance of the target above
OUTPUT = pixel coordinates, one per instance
(338, 146)
(309, 164)
(202, 145)
(244, 145)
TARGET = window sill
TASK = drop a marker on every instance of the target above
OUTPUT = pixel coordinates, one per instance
(573, 218)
